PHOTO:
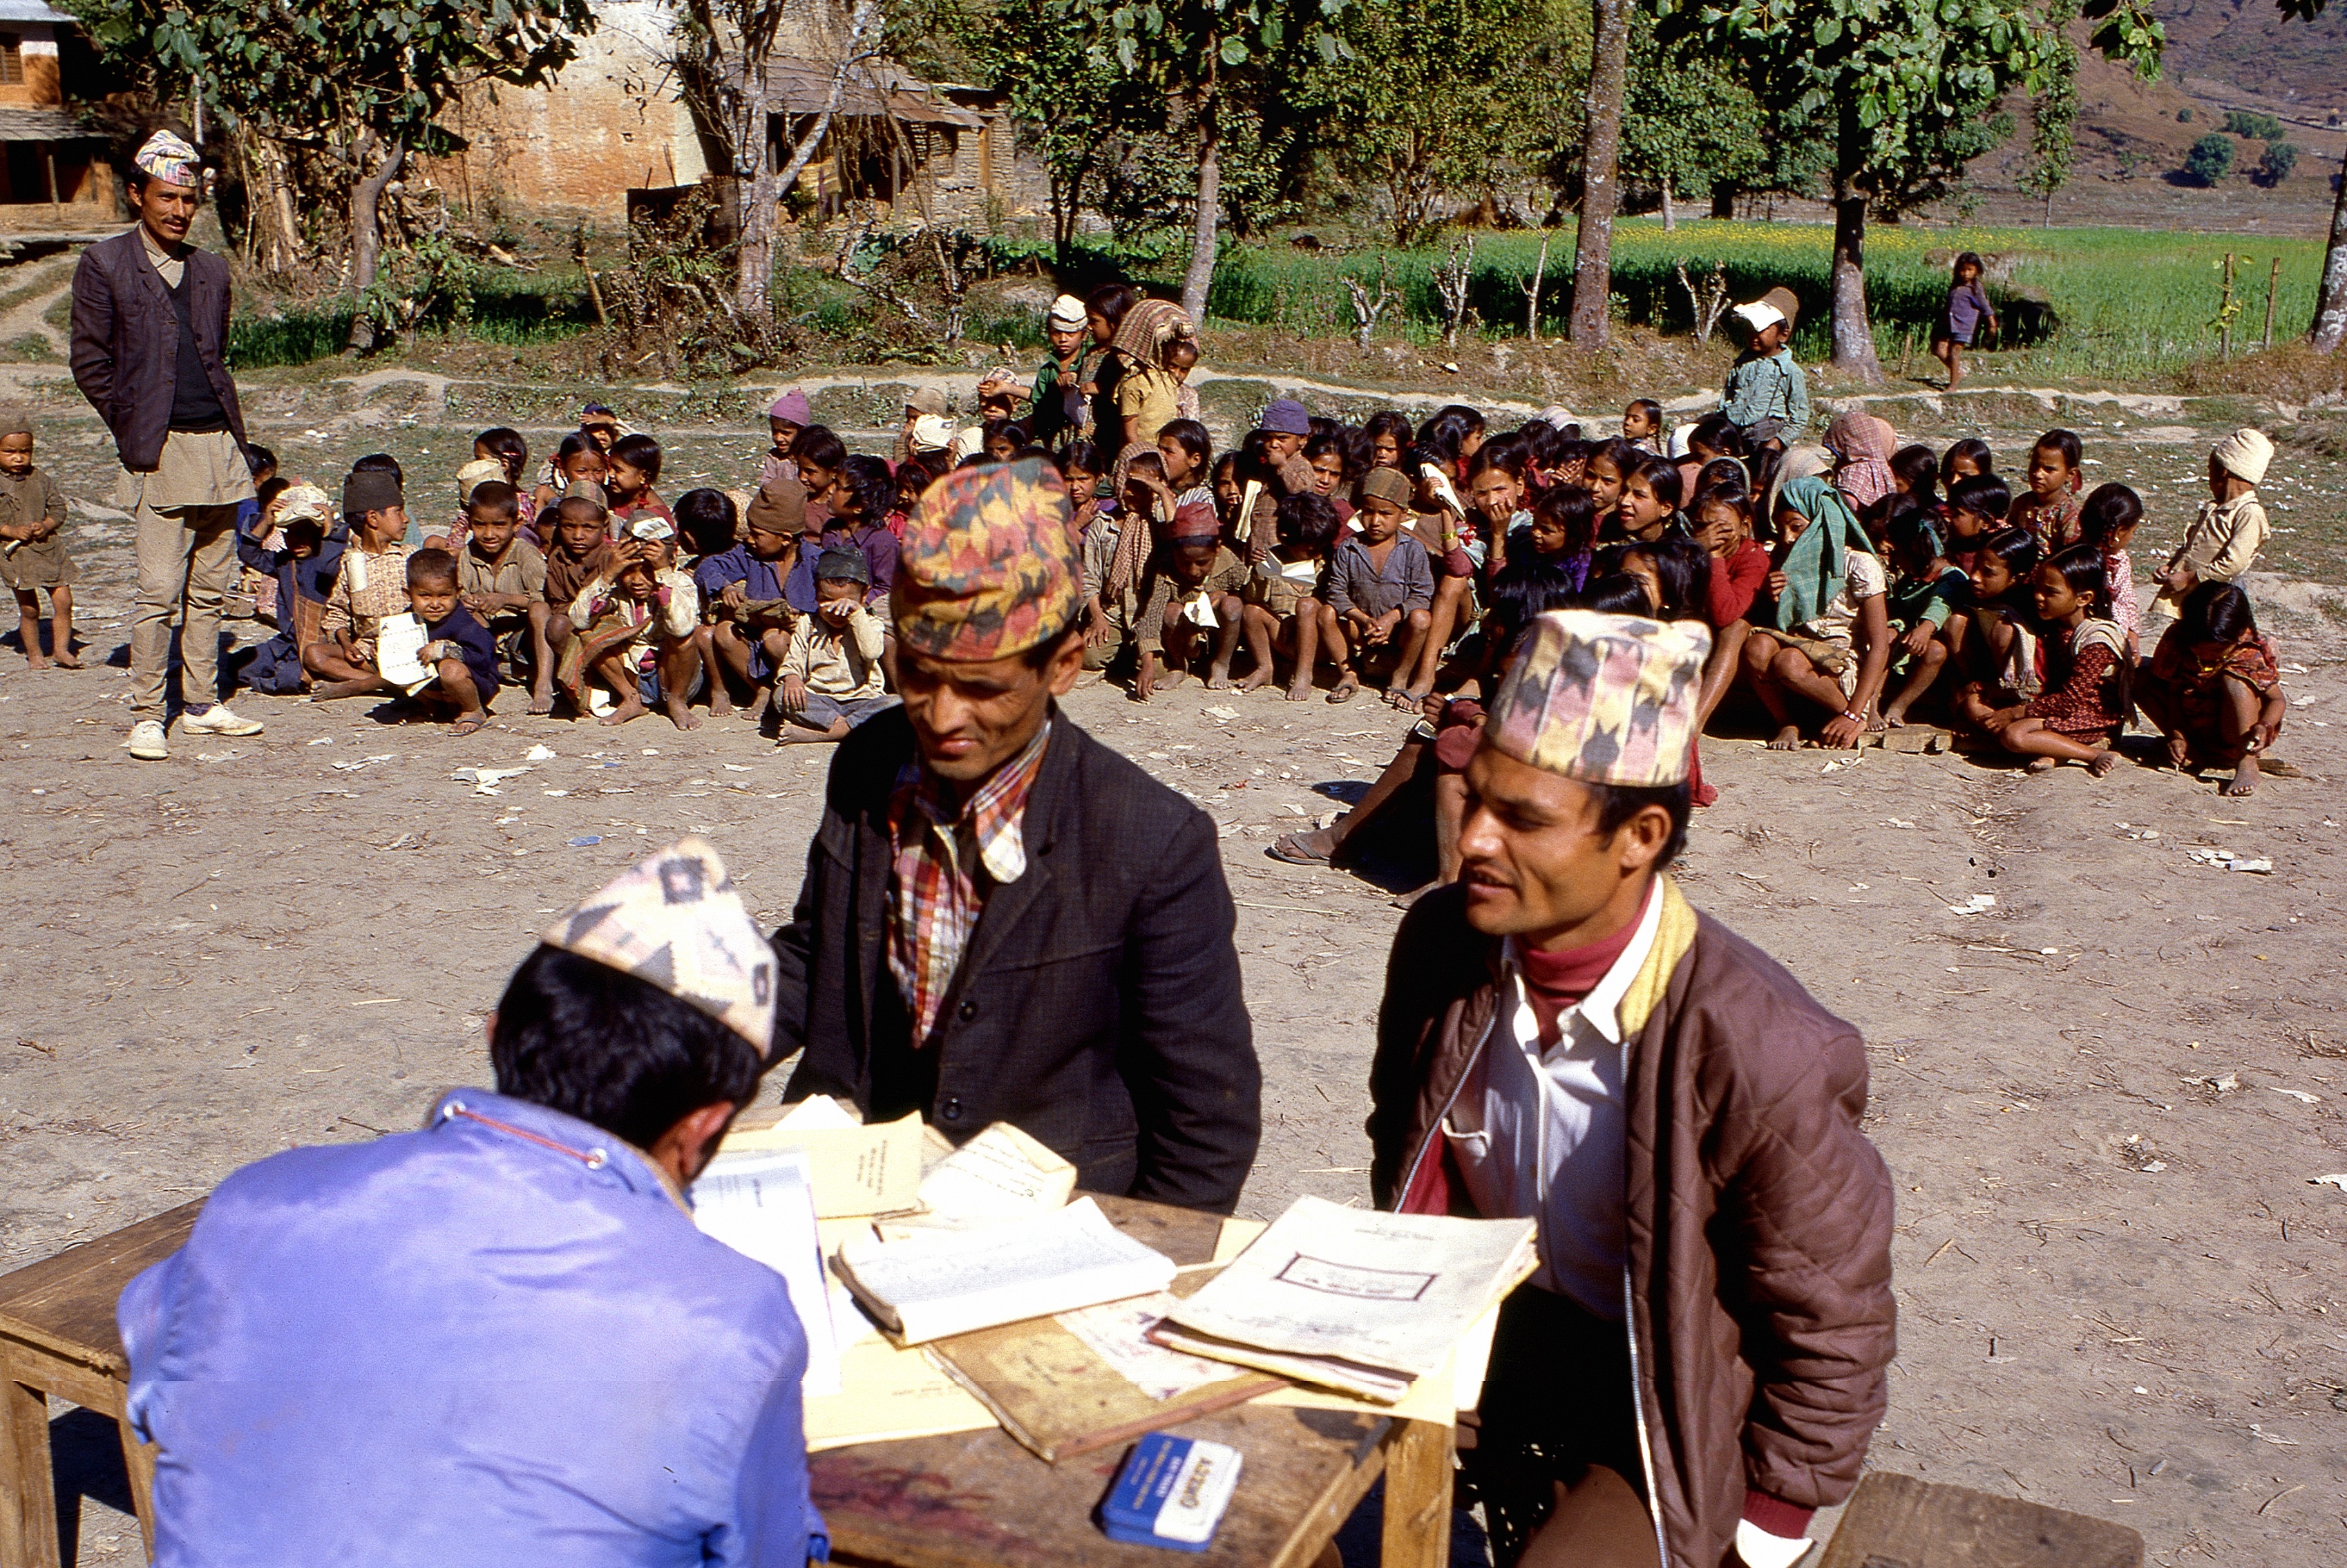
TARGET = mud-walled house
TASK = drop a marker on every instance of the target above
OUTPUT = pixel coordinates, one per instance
(55, 179)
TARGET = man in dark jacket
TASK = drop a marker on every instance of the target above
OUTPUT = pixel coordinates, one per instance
(1701, 1358)
(1002, 919)
(150, 324)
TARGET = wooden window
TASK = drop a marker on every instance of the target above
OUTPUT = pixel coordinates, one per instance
(12, 59)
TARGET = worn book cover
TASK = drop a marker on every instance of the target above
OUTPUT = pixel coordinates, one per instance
(1086, 1380)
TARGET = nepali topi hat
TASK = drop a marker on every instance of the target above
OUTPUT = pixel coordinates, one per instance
(1603, 699)
(989, 567)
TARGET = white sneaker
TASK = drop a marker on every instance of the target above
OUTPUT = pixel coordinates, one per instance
(216, 720)
(146, 741)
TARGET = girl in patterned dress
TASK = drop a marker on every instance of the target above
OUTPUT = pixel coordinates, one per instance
(2214, 686)
(2083, 699)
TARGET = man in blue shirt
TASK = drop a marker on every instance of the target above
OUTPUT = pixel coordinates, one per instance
(500, 1339)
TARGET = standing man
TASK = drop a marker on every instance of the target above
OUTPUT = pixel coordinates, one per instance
(1701, 1358)
(149, 323)
(1002, 919)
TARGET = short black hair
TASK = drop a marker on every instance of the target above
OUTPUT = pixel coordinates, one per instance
(708, 519)
(1039, 657)
(1617, 803)
(430, 566)
(1983, 495)
(260, 458)
(639, 451)
(583, 1039)
(818, 446)
(493, 499)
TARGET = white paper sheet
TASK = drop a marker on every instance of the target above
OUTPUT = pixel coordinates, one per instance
(763, 1206)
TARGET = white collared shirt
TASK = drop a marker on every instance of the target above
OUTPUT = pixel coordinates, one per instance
(1539, 1132)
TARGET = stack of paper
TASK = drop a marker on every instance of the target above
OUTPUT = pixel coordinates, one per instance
(858, 1168)
(936, 1283)
(763, 1206)
(1349, 1299)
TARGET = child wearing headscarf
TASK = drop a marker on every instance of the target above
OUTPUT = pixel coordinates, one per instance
(1148, 395)
(2231, 527)
(1831, 642)
(1862, 446)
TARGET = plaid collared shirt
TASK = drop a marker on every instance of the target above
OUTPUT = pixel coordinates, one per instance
(936, 893)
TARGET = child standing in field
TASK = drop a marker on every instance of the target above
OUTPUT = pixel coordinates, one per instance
(2084, 699)
(2224, 539)
(2048, 510)
(1968, 310)
(2214, 686)
(33, 558)
(1766, 396)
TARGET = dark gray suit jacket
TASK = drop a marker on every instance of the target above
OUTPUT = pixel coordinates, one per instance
(1098, 1006)
(126, 343)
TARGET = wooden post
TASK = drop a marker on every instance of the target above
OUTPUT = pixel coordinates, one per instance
(2273, 286)
(28, 1499)
(2225, 313)
(49, 164)
(1418, 1497)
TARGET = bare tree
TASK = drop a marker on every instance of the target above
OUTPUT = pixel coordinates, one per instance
(1710, 305)
(722, 66)
(1532, 292)
(1452, 277)
(1367, 308)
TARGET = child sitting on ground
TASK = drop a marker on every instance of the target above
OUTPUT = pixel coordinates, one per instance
(1187, 452)
(1831, 646)
(302, 565)
(635, 463)
(2108, 521)
(1977, 506)
(1969, 458)
(2048, 510)
(1495, 489)
(458, 651)
(2084, 697)
(1382, 584)
(32, 517)
(1993, 641)
(1642, 424)
(1739, 571)
(370, 584)
(634, 633)
(1560, 533)
(2213, 687)
(1283, 612)
(502, 581)
(1195, 585)
(577, 461)
(2224, 539)
(742, 598)
(1649, 508)
(831, 672)
(1929, 589)
(859, 521)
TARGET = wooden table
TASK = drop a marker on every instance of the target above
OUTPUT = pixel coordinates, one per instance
(974, 1500)
(57, 1336)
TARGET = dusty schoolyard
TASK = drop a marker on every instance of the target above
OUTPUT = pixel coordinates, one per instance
(2106, 1071)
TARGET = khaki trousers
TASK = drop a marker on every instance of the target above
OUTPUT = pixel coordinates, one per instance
(187, 557)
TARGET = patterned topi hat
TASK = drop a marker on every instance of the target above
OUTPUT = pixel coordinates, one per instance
(673, 920)
(167, 157)
(987, 569)
(1605, 699)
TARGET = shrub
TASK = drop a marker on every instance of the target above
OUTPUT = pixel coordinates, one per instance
(2275, 166)
(2256, 127)
(2210, 159)
(2184, 114)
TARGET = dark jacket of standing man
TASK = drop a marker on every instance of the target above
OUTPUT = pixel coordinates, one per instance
(1077, 978)
(150, 327)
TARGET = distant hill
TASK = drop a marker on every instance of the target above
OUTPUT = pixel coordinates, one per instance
(2244, 47)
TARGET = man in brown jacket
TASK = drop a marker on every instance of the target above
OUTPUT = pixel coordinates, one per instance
(1700, 1360)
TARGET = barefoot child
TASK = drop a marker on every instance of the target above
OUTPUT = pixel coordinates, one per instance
(1283, 613)
(33, 558)
(2231, 527)
(1966, 311)
(2048, 510)
(1194, 587)
(1830, 645)
(501, 578)
(2084, 696)
(2214, 687)
(370, 585)
(633, 629)
(1929, 591)
(831, 672)
(741, 590)
(459, 651)
(1382, 584)
(2108, 521)
(1993, 640)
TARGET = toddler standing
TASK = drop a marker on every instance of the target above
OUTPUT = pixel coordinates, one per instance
(32, 519)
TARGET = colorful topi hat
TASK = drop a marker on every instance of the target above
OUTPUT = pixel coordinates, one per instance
(988, 567)
(1605, 699)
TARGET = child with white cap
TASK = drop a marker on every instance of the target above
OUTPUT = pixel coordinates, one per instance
(1766, 396)
(2224, 539)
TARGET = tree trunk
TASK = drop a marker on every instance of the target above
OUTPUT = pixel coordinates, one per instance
(754, 189)
(2330, 328)
(1854, 334)
(1670, 209)
(1200, 278)
(1593, 258)
(366, 232)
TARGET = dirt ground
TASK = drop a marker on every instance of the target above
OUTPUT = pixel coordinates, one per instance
(2104, 1095)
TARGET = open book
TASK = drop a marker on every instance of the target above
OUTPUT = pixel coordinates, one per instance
(1364, 1302)
(398, 639)
(935, 1283)
(763, 1206)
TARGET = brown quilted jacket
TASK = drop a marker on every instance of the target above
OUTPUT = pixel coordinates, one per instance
(1760, 1215)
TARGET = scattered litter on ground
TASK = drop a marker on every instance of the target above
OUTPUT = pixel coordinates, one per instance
(1221, 712)
(407, 841)
(323, 741)
(2136, 1151)
(2300, 1095)
(587, 841)
(540, 753)
(2339, 1180)
(485, 781)
(2224, 1085)
(1979, 902)
(2230, 861)
(364, 763)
